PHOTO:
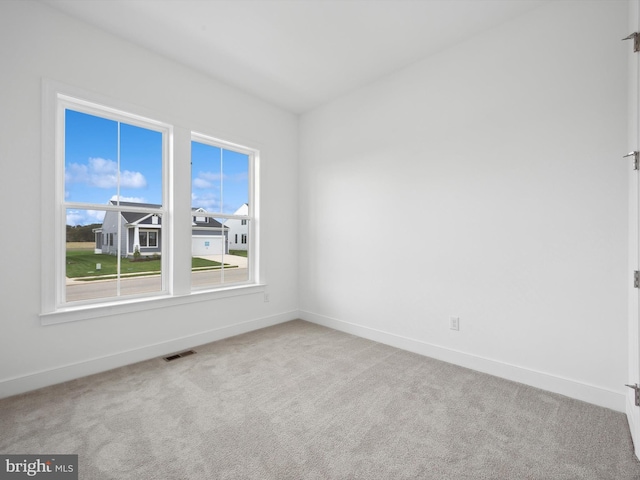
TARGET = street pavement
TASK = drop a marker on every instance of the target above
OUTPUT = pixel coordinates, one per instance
(89, 290)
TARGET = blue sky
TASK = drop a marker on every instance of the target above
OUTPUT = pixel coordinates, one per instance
(219, 176)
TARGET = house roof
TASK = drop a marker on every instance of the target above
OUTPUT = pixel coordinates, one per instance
(209, 223)
(135, 204)
(133, 217)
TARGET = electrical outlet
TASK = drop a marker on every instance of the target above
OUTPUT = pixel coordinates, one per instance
(266, 297)
(455, 323)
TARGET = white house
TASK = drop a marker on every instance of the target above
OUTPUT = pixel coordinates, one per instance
(238, 229)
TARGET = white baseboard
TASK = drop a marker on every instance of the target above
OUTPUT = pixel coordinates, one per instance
(45, 378)
(571, 388)
(552, 383)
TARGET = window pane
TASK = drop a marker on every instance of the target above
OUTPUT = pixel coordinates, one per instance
(140, 165)
(219, 183)
(206, 177)
(143, 239)
(101, 259)
(219, 179)
(106, 160)
(90, 161)
(238, 256)
(235, 175)
(153, 239)
(215, 262)
(86, 250)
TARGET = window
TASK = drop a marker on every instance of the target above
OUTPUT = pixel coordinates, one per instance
(108, 201)
(148, 238)
(113, 168)
(221, 191)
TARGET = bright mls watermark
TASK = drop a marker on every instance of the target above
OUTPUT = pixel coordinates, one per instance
(50, 467)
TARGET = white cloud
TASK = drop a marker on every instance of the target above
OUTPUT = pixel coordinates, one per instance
(103, 173)
(201, 183)
(237, 177)
(207, 180)
(75, 218)
(210, 176)
(209, 201)
(132, 179)
(84, 217)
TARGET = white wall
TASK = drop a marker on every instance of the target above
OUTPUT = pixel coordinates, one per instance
(499, 160)
(37, 41)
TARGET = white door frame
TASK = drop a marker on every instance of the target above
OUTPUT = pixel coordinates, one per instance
(633, 412)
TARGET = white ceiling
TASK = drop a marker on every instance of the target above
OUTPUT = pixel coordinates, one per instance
(296, 54)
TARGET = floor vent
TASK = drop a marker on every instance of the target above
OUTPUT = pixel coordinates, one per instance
(175, 356)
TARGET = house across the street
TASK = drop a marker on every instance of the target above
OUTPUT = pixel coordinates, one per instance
(238, 229)
(143, 232)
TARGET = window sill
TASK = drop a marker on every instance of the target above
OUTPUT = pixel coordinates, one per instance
(87, 312)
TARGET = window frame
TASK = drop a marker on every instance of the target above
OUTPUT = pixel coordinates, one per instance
(66, 102)
(177, 288)
(148, 232)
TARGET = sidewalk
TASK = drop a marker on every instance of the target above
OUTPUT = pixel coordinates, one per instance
(240, 262)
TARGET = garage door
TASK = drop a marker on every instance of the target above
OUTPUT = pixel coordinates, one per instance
(207, 245)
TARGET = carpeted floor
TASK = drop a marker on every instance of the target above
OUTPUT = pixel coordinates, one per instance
(300, 401)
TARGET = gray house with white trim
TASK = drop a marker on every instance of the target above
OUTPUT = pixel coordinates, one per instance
(143, 231)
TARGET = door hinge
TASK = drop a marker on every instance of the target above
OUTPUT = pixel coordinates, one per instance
(636, 279)
(636, 157)
(635, 36)
(636, 388)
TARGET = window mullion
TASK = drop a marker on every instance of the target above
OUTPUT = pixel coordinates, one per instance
(119, 239)
(179, 206)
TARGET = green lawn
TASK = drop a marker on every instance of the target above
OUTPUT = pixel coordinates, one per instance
(82, 263)
(239, 253)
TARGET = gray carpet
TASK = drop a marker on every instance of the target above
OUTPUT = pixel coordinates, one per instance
(299, 401)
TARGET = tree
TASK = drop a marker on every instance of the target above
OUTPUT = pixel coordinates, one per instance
(81, 233)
